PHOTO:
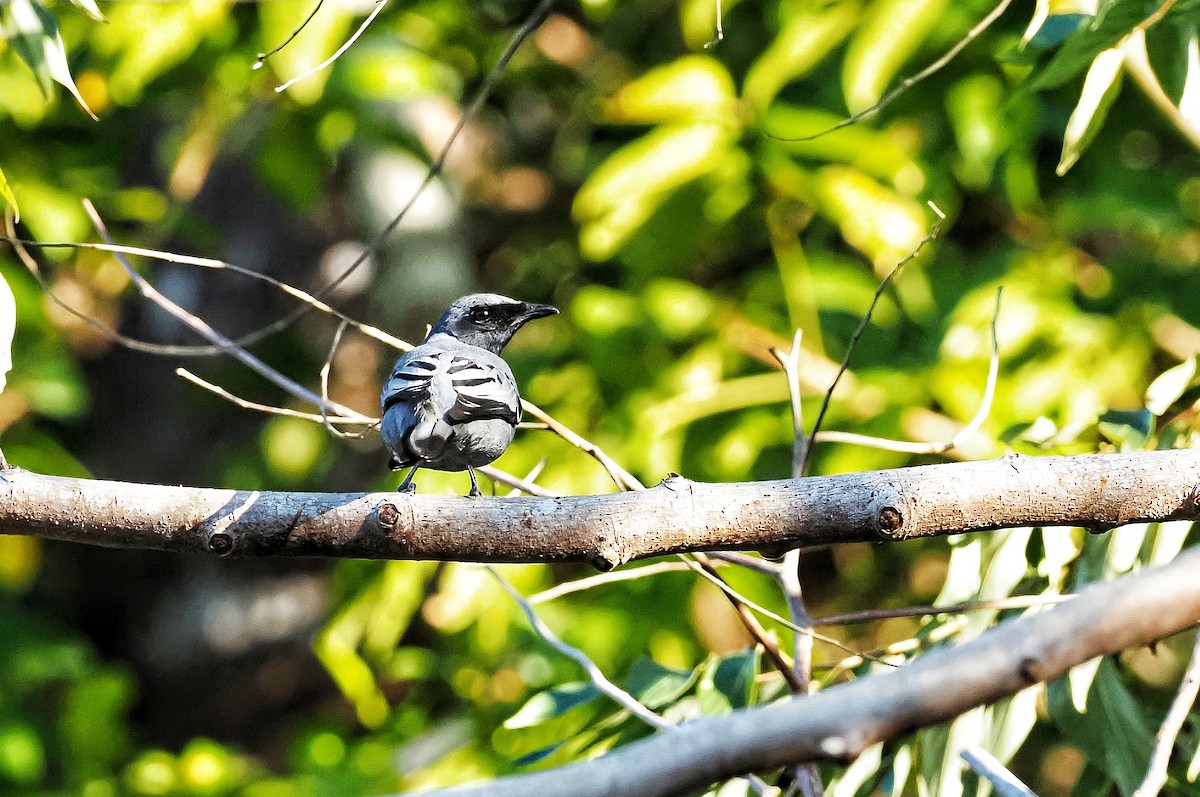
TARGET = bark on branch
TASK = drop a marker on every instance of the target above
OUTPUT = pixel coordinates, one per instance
(839, 723)
(1098, 492)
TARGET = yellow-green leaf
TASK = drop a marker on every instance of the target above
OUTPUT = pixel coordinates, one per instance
(802, 44)
(33, 33)
(624, 191)
(1169, 385)
(694, 87)
(875, 220)
(8, 326)
(10, 199)
(890, 34)
(1100, 88)
(90, 8)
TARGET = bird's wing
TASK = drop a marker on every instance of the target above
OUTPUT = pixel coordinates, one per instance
(432, 390)
(483, 390)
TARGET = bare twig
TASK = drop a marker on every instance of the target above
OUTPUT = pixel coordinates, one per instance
(379, 6)
(618, 695)
(623, 478)
(530, 477)
(1164, 740)
(724, 587)
(866, 319)
(873, 615)
(764, 566)
(789, 361)
(1005, 783)
(202, 328)
(269, 409)
(941, 447)
(201, 262)
(262, 57)
(333, 347)
(601, 579)
(720, 37)
(904, 85)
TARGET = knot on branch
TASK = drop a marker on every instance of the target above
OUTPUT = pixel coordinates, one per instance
(889, 522)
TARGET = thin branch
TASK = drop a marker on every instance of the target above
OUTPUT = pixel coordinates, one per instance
(974, 33)
(724, 587)
(839, 723)
(976, 422)
(764, 566)
(333, 347)
(1164, 740)
(874, 615)
(866, 320)
(720, 37)
(616, 693)
(201, 262)
(202, 328)
(760, 635)
(1004, 783)
(789, 361)
(530, 477)
(379, 6)
(603, 579)
(267, 408)
(621, 477)
(262, 57)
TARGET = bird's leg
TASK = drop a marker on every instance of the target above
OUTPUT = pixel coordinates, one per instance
(407, 486)
(474, 484)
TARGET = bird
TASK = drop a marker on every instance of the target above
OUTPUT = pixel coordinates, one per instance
(452, 403)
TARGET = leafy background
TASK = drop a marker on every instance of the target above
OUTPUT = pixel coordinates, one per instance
(657, 189)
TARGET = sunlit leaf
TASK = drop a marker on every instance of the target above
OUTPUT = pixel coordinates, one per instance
(889, 35)
(657, 686)
(33, 33)
(1169, 386)
(9, 198)
(90, 8)
(695, 87)
(1101, 33)
(805, 40)
(1128, 429)
(8, 327)
(1099, 90)
(552, 703)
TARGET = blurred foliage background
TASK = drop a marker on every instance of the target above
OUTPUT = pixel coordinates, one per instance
(663, 188)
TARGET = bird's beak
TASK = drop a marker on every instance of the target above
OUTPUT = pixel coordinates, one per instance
(533, 311)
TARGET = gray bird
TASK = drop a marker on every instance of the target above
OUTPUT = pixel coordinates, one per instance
(452, 403)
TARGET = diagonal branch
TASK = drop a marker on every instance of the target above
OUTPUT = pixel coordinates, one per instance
(840, 722)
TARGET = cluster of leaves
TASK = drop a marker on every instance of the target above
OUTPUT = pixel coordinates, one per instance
(687, 208)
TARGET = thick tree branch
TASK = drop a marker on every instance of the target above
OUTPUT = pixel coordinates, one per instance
(842, 721)
(1098, 492)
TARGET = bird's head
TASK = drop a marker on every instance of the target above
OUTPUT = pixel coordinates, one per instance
(488, 320)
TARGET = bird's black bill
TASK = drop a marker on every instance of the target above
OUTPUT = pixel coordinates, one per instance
(533, 311)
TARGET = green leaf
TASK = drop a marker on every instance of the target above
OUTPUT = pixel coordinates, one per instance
(728, 681)
(1169, 386)
(1115, 20)
(1128, 429)
(695, 87)
(803, 43)
(9, 198)
(33, 33)
(1110, 728)
(8, 326)
(552, 703)
(90, 8)
(887, 38)
(1100, 88)
(656, 686)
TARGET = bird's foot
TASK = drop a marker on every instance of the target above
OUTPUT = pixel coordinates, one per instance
(475, 492)
(407, 489)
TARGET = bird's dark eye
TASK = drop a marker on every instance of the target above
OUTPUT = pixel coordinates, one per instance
(481, 314)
